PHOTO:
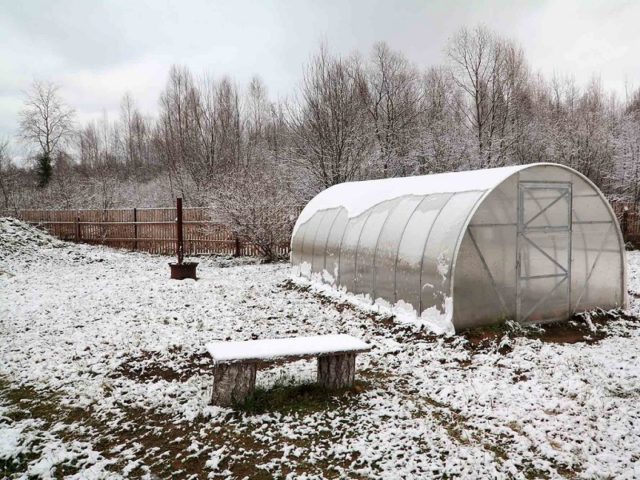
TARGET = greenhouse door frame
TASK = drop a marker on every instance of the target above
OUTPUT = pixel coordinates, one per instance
(528, 240)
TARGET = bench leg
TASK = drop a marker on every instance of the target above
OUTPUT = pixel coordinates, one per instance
(233, 383)
(337, 371)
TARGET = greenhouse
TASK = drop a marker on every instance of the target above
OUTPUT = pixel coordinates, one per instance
(534, 243)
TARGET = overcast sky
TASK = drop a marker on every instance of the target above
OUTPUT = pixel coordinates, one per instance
(98, 50)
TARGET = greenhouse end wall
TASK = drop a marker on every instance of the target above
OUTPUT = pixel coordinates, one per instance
(533, 243)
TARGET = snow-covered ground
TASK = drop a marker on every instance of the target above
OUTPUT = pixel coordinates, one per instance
(103, 373)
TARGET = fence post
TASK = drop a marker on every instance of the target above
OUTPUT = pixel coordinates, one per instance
(624, 222)
(236, 253)
(77, 229)
(135, 229)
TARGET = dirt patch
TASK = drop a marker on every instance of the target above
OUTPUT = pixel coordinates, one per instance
(578, 329)
(300, 398)
(152, 366)
(572, 331)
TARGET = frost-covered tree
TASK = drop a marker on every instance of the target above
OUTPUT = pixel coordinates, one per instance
(625, 178)
(199, 132)
(329, 125)
(442, 142)
(135, 130)
(8, 176)
(258, 205)
(46, 122)
(492, 73)
(394, 101)
(258, 116)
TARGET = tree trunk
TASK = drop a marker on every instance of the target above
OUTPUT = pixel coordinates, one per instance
(233, 383)
(337, 371)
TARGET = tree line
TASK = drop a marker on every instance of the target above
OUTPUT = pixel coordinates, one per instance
(350, 118)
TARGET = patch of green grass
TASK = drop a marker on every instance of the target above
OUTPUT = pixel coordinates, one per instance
(285, 397)
(504, 326)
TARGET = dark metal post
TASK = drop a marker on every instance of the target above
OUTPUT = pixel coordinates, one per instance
(180, 270)
(179, 239)
(135, 228)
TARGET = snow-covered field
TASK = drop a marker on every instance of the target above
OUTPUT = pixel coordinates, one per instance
(103, 373)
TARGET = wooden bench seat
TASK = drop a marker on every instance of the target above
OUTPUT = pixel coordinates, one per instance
(236, 363)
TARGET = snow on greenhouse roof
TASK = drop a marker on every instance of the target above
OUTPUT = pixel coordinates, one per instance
(356, 197)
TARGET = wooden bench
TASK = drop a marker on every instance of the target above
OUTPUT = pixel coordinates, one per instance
(236, 363)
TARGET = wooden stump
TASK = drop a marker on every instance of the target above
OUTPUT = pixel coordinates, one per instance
(337, 371)
(233, 383)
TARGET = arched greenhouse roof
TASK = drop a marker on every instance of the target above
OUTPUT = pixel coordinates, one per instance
(356, 197)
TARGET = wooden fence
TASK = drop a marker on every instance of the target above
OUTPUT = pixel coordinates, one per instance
(153, 229)
(629, 218)
(150, 230)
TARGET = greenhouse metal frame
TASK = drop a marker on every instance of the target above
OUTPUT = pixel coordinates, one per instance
(533, 243)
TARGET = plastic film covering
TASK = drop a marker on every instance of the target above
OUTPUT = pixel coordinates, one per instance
(308, 240)
(435, 278)
(597, 257)
(349, 249)
(485, 286)
(545, 173)
(538, 245)
(387, 248)
(332, 248)
(366, 254)
(412, 247)
(296, 249)
(320, 241)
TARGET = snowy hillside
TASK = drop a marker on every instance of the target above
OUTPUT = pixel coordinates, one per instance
(103, 372)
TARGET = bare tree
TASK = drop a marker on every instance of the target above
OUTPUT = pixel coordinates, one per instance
(491, 72)
(394, 101)
(135, 133)
(228, 124)
(626, 175)
(103, 155)
(8, 176)
(199, 132)
(45, 121)
(178, 134)
(256, 123)
(442, 142)
(329, 128)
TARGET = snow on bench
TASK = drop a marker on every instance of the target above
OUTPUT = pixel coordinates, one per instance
(236, 363)
(280, 348)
